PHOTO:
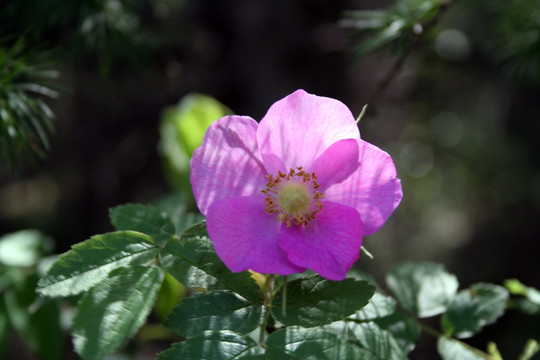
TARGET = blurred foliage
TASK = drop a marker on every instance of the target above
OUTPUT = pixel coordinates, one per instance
(22, 261)
(106, 31)
(515, 42)
(111, 31)
(528, 300)
(531, 348)
(512, 39)
(25, 118)
(182, 130)
(398, 26)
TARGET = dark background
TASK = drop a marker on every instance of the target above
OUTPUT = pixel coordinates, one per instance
(460, 125)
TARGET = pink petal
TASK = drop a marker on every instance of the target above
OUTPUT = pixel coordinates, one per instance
(328, 245)
(373, 189)
(299, 127)
(273, 163)
(227, 163)
(336, 163)
(246, 237)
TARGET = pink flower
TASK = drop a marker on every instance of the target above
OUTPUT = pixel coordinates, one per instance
(297, 191)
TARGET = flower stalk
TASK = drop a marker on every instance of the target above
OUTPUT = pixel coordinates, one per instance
(268, 297)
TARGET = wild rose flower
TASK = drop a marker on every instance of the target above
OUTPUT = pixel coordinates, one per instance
(297, 191)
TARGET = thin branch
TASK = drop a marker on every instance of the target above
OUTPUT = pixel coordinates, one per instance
(398, 65)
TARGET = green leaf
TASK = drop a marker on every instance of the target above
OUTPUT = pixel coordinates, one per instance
(360, 275)
(525, 306)
(311, 344)
(113, 311)
(10, 275)
(216, 310)
(379, 306)
(405, 330)
(451, 349)
(214, 345)
(193, 261)
(474, 308)
(425, 289)
(314, 301)
(383, 37)
(36, 319)
(146, 219)
(517, 288)
(23, 248)
(378, 342)
(182, 130)
(89, 262)
(176, 206)
(170, 294)
(531, 348)
(493, 351)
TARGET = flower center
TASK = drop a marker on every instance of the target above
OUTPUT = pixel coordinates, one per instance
(294, 197)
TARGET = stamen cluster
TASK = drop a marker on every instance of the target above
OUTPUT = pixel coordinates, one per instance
(294, 197)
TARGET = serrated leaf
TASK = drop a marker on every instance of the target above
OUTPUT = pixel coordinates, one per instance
(314, 301)
(361, 275)
(378, 306)
(193, 261)
(380, 343)
(216, 310)
(311, 344)
(451, 349)
(474, 308)
(425, 288)
(113, 310)
(176, 206)
(146, 219)
(89, 262)
(214, 345)
(405, 330)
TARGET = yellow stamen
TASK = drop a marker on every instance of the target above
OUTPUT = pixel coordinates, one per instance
(294, 197)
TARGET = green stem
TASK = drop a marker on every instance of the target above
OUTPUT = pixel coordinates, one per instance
(284, 302)
(365, 251)
(361, 114)
(268, 296)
